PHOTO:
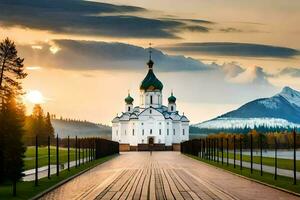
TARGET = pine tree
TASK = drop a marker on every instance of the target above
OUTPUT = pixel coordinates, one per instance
(38, 124)
(11, 131)
(11, 69)
(49, 130)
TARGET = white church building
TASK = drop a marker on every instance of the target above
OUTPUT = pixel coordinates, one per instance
(151, 124)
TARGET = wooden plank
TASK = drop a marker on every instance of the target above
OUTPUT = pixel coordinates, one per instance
(146, 185)
(138, 192)
(160, 193)
(137, 182)
(130, 185)
(152, 185)
(167, 188)
(198, 188)
(180, 188)
(174, 190)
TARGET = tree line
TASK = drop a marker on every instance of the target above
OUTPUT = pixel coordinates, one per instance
(16, 129)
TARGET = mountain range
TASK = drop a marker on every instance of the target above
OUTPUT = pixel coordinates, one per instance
(279, 111)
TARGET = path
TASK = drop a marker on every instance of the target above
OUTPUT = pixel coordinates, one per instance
(266, 168)
(164, 175)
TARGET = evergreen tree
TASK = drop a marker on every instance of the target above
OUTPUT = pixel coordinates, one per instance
(49, 130)
(38, 125)
(11, 69)
(11, 132)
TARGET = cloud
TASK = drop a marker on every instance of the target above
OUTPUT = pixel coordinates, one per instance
(90, 18)
(234, 49)
(231, 30)
(255, 76)
(291, 71)
(94, 55)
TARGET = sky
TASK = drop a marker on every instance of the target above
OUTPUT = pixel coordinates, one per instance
(82, 57)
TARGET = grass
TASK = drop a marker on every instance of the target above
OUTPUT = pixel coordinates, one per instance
(281, 162)
(27, 190)
(29, 160)
(281, 182)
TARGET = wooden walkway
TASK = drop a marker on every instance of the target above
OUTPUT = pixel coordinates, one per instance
(164, 175)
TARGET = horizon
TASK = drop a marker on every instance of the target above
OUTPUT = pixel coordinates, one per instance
(214, 56)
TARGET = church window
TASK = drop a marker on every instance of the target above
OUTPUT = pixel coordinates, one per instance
(150, 131)
(167, 131)
(173, 131)
(172, 108)
(133, 132)
(183, 131)
(159, 131)
(151, 99)
(142, 141)
(128, 109)
(143, 132)
(167, 123)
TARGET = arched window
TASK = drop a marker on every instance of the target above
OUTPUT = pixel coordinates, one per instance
(151, 99)
(133, 132)
(174, 131)
(159, 131)
(172, 108)
(143, 132)
(167, 131)
(183, 131)
(128, 109)
(150, 131)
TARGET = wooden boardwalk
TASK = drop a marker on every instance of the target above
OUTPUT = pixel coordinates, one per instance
(164, 175)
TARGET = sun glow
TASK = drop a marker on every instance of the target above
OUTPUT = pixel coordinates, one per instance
(35, 97)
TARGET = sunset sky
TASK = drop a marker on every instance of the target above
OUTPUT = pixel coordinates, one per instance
(83, 56)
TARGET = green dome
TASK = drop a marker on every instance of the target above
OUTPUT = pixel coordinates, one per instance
(129, 99)
(172, 99)
(150, 82)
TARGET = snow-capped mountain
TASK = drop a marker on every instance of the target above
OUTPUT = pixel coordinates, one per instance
(280, 110)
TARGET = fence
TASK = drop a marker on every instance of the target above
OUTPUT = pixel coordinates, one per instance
(84, 150)
(239, 150)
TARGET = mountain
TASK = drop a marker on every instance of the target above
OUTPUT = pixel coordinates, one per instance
(72, 128)
(281, 110)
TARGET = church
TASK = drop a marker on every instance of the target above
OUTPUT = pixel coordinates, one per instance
(151, 124)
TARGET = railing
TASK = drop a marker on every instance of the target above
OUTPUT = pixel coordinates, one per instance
(239, 150)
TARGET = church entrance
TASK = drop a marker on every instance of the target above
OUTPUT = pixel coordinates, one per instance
(151, 141)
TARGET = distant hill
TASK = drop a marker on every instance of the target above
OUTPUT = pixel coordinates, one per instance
(72, 128)
(281, 111)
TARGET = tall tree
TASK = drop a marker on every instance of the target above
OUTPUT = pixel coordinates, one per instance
(11, 113)
(11, 68)
(48, 126)
(11, 133)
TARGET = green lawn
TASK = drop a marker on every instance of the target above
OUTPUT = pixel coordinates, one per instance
(281, 163)
(29, 160)
(282, 182)
(27, 190)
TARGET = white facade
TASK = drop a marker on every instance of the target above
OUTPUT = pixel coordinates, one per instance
(136, 125)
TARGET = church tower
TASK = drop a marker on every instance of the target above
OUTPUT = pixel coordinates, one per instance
(172, 103)
(129, 103)
(151, 89)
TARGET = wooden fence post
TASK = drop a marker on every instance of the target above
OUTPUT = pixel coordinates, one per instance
(227, 141)
(234, 151)
(36, 161)
(68, 153)
(261, 161)
(275, 142)
(251, 149)
(76, 151)
(57, 156)
(295, 170)
(241, 153)
(49, 158)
